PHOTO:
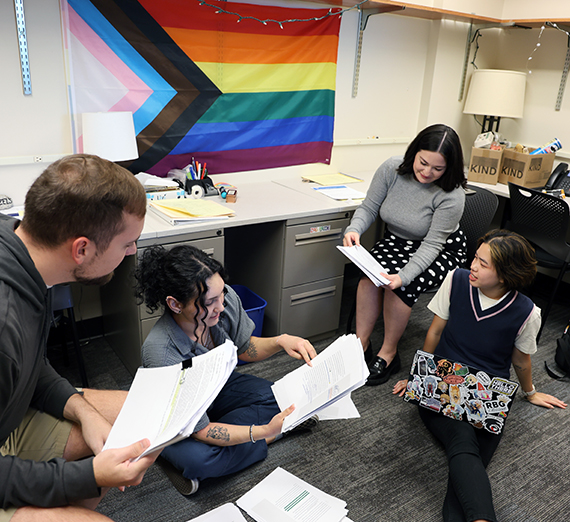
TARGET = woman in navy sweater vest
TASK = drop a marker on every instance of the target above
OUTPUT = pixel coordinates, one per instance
(482, 320)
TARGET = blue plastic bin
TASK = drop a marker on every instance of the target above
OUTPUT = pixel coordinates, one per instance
(253, 305)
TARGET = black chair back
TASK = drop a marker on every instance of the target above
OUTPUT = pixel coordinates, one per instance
(541, 218)
(480, 208)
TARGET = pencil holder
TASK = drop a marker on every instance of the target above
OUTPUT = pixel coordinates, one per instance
(199, 188)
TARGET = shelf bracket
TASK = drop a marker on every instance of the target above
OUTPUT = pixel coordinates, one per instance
(363, 16)
(471, 33)
(23, 44)
(565, 69)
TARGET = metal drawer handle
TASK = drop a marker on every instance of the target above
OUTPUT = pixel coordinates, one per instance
(313, 295)
(317, 237)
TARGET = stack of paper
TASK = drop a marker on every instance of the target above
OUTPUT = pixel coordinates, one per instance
(340, 192)
(285, 498)
(366, 262)
(331, 179)
(225, 513)
(164, 404)
(189, 210)
(334, 374)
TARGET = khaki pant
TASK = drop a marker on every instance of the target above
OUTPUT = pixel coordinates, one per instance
(39, 437)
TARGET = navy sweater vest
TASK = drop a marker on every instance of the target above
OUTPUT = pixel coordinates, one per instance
(483, 339)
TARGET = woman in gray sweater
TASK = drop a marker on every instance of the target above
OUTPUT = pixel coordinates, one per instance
(420, 198)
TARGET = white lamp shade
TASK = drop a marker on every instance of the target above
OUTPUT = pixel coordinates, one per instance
(110, 135)
(496, 93)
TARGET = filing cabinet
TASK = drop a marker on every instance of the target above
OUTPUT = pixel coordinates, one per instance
(127, 324)
(295, 266)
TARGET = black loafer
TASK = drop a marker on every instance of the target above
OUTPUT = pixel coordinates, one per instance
(380, 372)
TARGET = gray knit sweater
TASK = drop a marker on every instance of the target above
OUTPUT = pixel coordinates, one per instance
(411, 210)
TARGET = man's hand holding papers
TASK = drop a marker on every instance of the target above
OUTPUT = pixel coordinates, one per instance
(164, 404)
(335, 373)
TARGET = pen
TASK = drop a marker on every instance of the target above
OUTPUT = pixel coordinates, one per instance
(204, 171)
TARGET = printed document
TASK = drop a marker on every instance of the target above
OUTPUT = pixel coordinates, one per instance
(334, 374)
(225, 513)
(165, 404)
(332, 179)
(282, 497)
(366, 262)
(340, 192)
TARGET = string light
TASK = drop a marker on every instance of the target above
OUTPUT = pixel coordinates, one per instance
(535, 48)
(475, 39)
(281, 22)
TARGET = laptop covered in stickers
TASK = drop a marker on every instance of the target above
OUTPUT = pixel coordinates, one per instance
(460, 392)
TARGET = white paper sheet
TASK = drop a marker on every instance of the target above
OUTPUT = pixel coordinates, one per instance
(164, 404)
(224, 513)
(340, 192)
(366, 262)
(342, 409)
(283, 497)
(335, 372)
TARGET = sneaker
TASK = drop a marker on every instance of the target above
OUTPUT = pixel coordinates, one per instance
(183, 485)
(380, 372)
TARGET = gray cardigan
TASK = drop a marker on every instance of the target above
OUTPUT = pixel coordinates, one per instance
(411, 210)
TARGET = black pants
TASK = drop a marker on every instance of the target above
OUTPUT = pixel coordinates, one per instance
(469, 451)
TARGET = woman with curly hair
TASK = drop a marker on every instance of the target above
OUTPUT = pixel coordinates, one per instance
(200, 313)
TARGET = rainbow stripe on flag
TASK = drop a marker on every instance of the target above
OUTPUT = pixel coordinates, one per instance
(227, 90)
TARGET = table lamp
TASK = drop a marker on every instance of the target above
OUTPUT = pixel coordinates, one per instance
(110, 135)
(495, 94)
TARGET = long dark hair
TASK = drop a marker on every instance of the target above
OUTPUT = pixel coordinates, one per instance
(180, 272)
(443, 139)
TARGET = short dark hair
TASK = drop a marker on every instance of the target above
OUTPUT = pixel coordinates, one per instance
(180, 272)
(512, 256)
(443, 139)
(81, 195)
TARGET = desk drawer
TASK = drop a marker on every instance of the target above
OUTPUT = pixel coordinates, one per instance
(311, 309)
(311, 253)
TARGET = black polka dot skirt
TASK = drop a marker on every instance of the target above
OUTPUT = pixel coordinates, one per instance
(394, 253)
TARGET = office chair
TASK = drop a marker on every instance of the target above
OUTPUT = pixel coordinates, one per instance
(543, 220)
(62, 300)
(480, 207)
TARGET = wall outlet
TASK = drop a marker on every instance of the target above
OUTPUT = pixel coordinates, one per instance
(37, 159)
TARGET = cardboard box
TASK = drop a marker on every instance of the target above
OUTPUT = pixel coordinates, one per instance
(527, 170)
(485, 165)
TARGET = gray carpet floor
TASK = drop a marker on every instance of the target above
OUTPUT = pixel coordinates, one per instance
(385, 465)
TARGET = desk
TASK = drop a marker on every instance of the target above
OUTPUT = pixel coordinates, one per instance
(281, 244)
(500, 189)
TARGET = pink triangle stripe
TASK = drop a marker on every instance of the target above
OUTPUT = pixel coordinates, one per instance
(139, 91)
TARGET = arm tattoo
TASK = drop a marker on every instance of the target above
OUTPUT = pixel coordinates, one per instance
(251, 350)
(218, 432)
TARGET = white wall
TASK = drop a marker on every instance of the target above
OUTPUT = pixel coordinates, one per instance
(36, 125)
(410, 77)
